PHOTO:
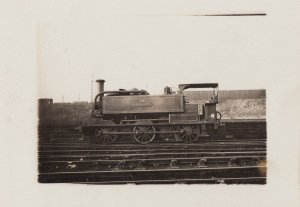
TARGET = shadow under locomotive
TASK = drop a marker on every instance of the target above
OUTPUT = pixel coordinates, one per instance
(136, 115)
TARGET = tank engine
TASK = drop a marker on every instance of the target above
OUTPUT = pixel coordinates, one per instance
(143, 117)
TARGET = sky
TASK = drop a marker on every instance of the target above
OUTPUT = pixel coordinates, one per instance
(151, 52)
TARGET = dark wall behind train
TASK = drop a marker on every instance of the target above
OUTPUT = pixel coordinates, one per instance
(234, 104)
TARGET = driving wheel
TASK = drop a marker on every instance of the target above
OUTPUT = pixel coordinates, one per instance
(144, 134)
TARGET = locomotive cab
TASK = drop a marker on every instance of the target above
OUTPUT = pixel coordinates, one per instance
(209, 110)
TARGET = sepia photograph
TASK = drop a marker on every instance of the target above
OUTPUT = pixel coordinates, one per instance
(139, 103)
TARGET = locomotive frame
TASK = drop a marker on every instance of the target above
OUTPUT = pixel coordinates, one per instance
(141, 117)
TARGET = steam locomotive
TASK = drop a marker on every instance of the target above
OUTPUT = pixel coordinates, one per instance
(143, 118)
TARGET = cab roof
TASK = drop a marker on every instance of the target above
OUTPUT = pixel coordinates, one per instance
(198, 85)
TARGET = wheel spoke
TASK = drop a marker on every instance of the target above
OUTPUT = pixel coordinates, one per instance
(148, 137)
(104, 139)
(144, 138)
(193, 137)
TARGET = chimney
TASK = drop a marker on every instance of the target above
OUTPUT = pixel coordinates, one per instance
(100, 85)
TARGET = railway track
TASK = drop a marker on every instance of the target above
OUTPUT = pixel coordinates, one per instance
(150, 163)
(237, 156)
(172, 175)
(207, 162)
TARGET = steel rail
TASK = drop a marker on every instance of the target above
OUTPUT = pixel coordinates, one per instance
(157, 170)
(153, 159)
(162, 144)
(249, 180)
(228, 148)
(160, 155)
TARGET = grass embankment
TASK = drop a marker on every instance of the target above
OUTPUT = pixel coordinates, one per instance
(242, 108)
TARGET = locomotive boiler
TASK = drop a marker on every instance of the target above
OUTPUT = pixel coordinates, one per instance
(138, 116)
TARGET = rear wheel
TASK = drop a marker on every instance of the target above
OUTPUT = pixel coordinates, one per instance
(189, 133)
